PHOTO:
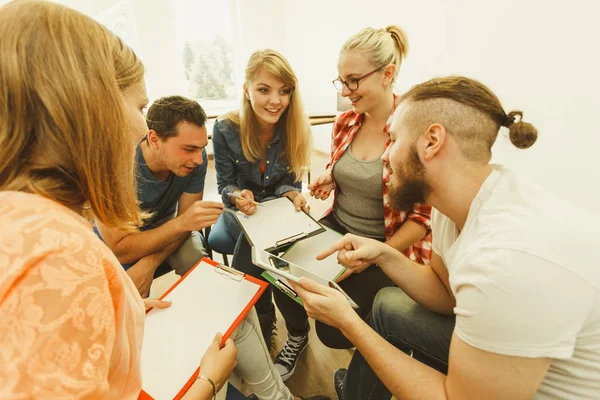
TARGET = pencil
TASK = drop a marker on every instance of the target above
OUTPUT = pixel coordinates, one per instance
(237, 196)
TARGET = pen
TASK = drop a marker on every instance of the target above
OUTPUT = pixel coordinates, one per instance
(308, 201)
(237, 196)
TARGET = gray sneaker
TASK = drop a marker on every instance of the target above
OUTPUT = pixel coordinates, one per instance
(285, 362)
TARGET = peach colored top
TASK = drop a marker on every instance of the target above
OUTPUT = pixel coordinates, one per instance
(71, 321)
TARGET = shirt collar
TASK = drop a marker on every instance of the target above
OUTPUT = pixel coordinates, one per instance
(356, 120)
(278, 133)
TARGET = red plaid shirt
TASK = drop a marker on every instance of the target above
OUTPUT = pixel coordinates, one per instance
(345, 128)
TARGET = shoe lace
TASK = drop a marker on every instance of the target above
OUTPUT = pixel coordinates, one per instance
(291, 350)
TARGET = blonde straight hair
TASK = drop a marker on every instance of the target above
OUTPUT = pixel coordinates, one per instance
(63, 132)
(381, 46)
(294, 121)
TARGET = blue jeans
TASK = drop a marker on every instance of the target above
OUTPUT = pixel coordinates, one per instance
(411, 328)
(224, 233)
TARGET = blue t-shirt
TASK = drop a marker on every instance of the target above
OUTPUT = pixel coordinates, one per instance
(161, 197)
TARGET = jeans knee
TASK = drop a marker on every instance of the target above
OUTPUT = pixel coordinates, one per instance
(389, 306)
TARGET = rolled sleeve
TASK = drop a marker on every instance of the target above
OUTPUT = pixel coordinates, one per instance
(421, 214)
(225, 194)
(227, 181)
(288, 184)
(286, 188)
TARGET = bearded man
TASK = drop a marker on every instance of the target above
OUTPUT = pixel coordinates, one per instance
(509, 306)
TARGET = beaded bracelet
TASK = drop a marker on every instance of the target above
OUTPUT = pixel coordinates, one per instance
(214, 386)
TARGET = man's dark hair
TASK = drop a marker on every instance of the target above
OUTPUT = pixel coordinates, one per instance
(165, 113)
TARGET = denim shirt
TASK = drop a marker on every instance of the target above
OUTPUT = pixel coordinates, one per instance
(234, 172)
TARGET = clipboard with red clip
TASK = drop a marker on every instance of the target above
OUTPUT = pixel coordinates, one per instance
(209, 298)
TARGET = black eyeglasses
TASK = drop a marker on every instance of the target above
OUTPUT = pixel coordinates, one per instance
(352, 83)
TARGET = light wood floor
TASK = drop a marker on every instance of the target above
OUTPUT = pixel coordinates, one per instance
(314, 371)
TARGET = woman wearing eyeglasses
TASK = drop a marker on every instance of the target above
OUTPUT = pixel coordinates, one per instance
(368, 66)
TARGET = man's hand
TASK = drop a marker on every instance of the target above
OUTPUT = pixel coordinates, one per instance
(355, 252)
(217, 363)
(199, 215)
(345, 275)
(325, 304)
(322, 187)
(246, 204)
(142, 274)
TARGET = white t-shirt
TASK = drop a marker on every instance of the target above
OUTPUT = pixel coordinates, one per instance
(525, 273)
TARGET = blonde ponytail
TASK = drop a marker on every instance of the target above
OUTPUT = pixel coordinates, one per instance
(382, 46)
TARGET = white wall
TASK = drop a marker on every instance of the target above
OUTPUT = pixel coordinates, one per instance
(261, 24)
(315, 31)
(155, 24)
(540, 57)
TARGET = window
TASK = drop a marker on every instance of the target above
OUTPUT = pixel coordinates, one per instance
(207, 42)
(189, 47)
(119, 18)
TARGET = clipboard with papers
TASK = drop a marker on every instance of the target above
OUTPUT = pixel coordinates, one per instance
(280, 272)
(277, 224)
(305, 253)
(175, 338)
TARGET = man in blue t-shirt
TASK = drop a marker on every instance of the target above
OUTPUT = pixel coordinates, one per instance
(171, 167)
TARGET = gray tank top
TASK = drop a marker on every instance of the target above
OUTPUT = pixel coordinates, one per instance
(359, 203)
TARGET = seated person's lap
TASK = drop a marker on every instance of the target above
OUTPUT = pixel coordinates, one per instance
(182, 260)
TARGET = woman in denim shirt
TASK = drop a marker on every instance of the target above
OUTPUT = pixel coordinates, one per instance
(260, 153)
(253, 180)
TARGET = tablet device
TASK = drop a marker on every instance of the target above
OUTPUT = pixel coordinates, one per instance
(279, 267)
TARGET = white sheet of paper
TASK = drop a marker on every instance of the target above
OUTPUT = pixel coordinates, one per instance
(304, 253)
(275, 220)
(175, 338)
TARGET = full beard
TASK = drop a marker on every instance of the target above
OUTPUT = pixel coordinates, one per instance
(412, 188)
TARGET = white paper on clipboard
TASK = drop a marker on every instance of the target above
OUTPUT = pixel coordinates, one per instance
(176, 338)
(305, 253)
(276, 223)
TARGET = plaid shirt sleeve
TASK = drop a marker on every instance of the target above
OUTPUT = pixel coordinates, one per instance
(419, 252)
(421, 214)
(340, 136)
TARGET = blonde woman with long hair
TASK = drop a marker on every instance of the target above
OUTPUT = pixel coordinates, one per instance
(368, 66)
(260, 152)
(71, 320)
